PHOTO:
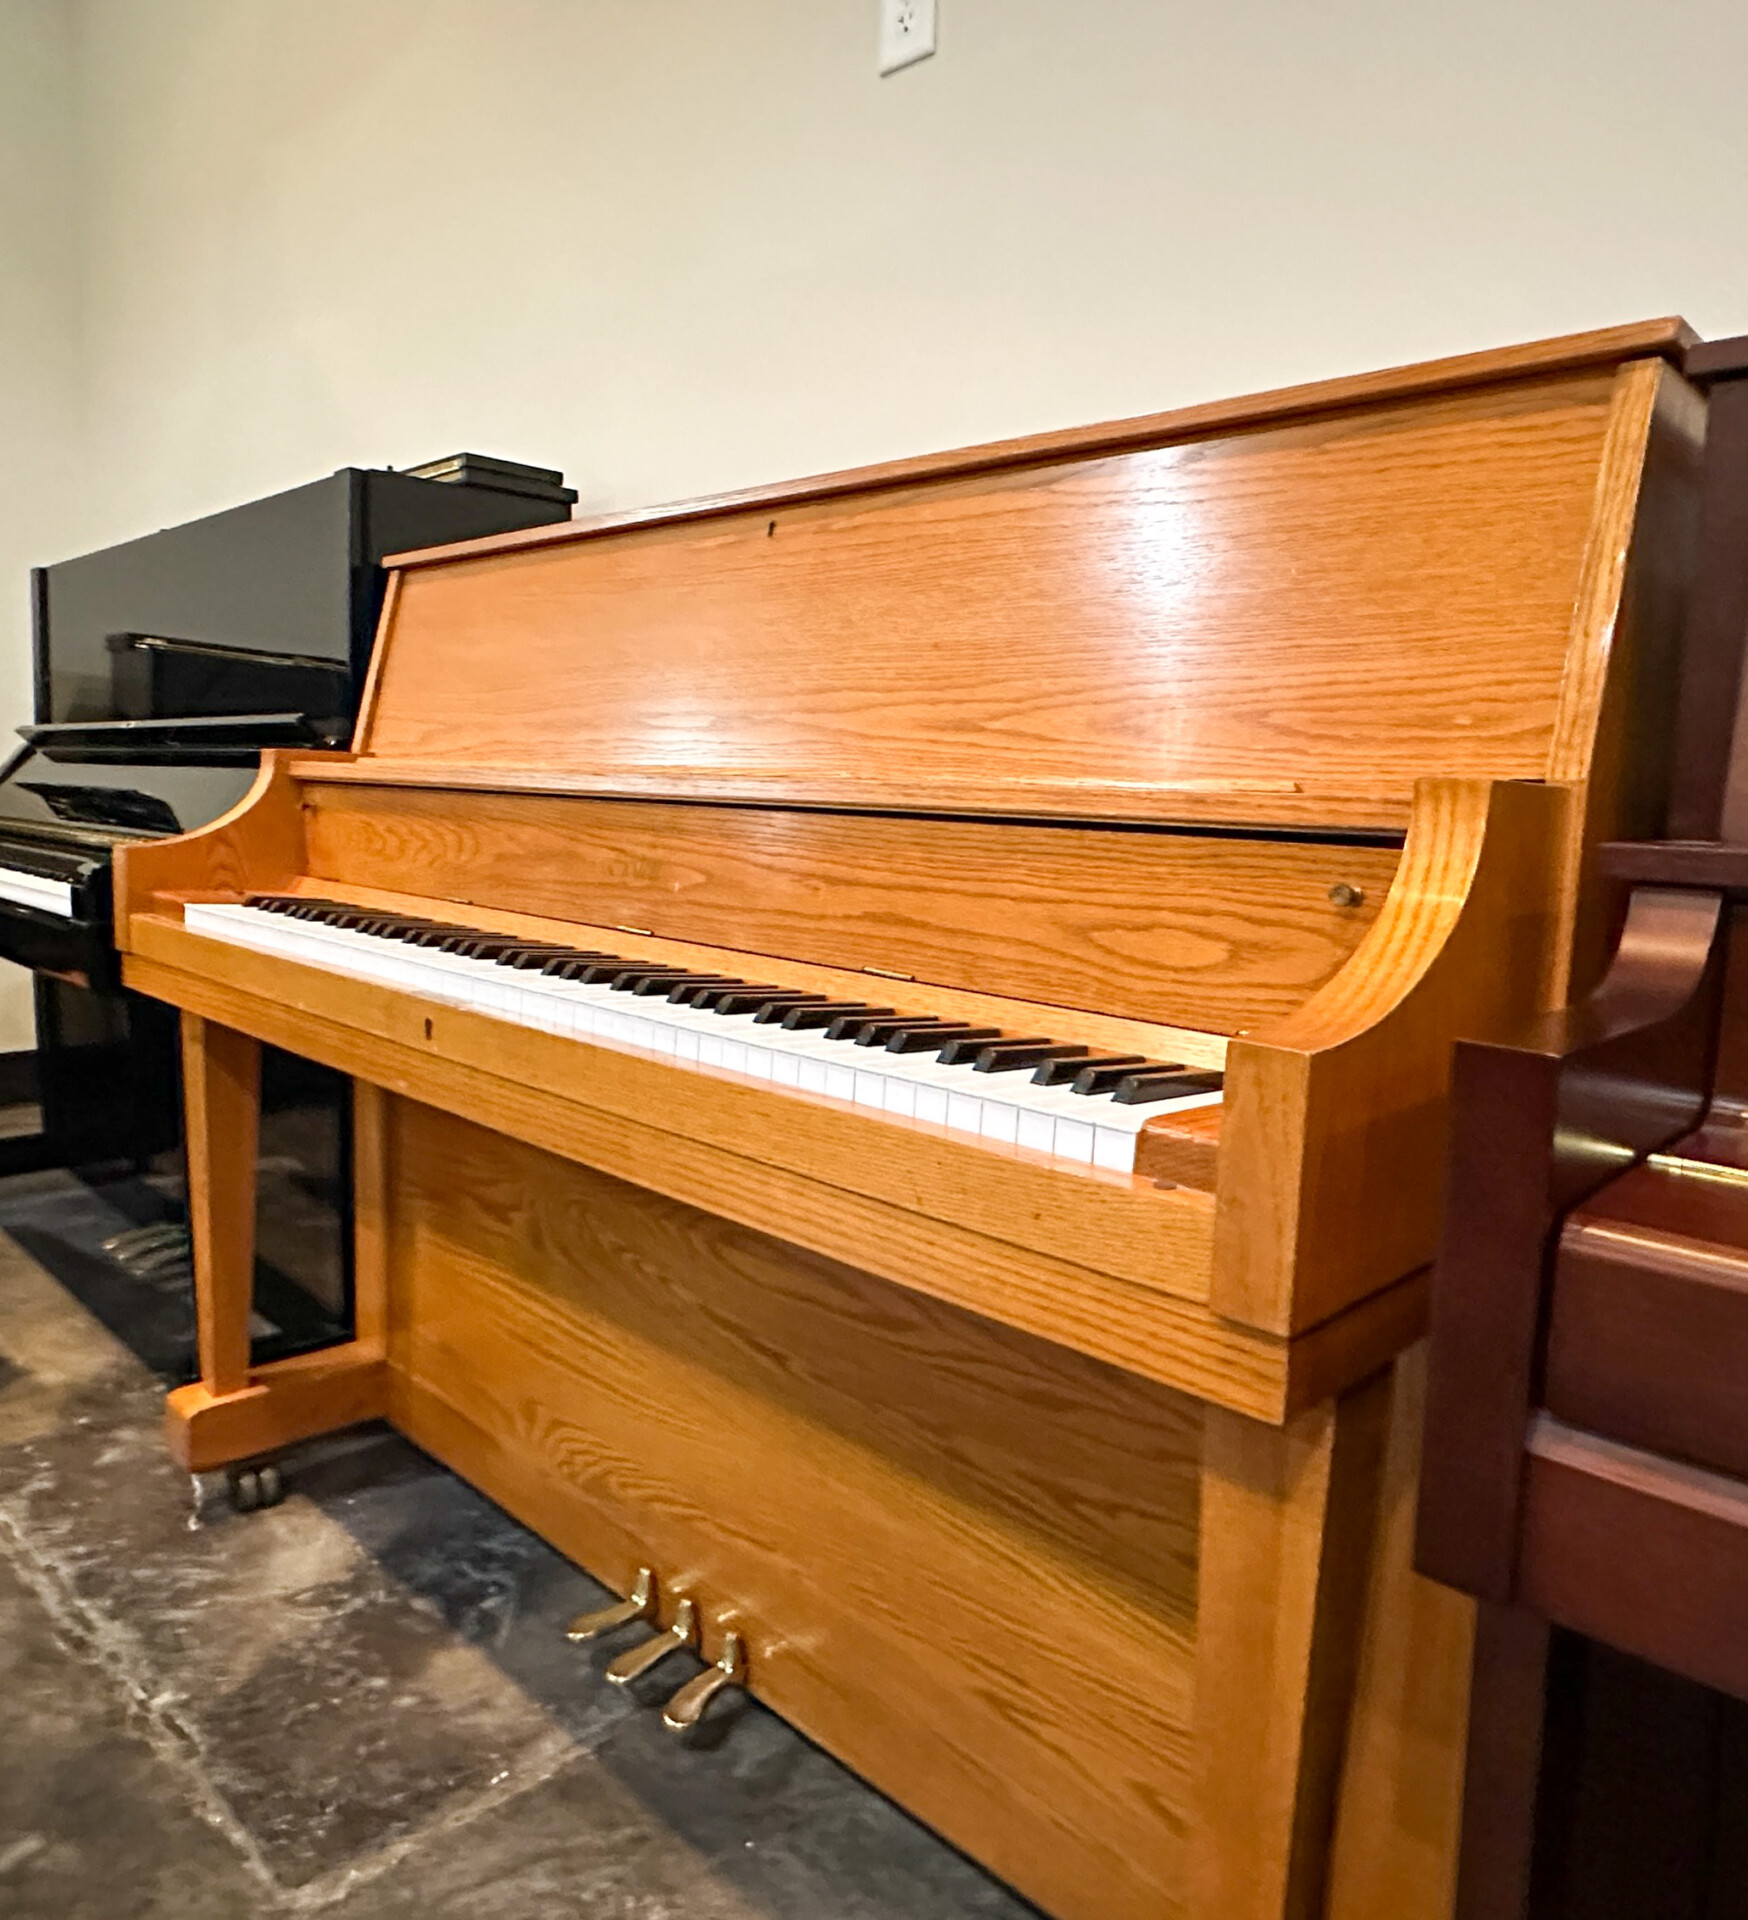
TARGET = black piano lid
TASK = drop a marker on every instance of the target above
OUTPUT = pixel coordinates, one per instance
(90, 805)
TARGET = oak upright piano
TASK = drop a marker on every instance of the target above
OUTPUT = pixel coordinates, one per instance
(902, 1027)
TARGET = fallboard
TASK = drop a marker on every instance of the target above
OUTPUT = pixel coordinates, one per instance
(1218, 932)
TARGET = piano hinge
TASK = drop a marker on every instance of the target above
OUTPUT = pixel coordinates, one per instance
(889, 973)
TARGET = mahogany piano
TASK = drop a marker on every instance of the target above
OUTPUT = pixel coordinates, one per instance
(1586, 1446)
(901, 1029)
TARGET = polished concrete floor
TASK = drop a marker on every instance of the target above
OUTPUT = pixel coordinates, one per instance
(358, 1703)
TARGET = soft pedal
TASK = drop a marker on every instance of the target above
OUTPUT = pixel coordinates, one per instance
(639, 1605)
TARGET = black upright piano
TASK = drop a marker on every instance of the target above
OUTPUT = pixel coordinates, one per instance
(163, 666)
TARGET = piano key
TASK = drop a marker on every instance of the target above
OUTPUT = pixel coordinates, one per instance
(656, 987)
(878, 1033)
(753, 1000)
(35, 890)
(963, 1048)
(1106, 1079)
(1009, 1056)
(576, 993)
(931, 1039)
(1063, 1071)
(1144, 1089)
(822, 1013)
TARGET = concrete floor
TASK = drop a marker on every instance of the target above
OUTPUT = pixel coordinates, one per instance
(359, 1703)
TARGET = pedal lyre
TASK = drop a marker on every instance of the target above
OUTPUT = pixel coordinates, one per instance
(684, 1711)
(640, 1606)
(637, 1661)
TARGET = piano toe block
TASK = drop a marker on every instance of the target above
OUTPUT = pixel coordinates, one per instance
(283, 1403)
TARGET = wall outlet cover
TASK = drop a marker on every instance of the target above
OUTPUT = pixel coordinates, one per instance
(907, 32)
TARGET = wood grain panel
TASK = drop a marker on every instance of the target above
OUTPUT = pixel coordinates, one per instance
(1288, 1516)
(940, 1538)
(221, 1082)
(1218, 933)
(1667, 338)
(1340, 606)
(1401, 1802)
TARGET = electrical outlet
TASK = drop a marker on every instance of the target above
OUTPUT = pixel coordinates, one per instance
(907, 32)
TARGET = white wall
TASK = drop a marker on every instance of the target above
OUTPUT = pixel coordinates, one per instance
(39, 368)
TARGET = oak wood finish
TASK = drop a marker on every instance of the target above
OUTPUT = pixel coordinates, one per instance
(1141, 1327)
(221, 1086)
(1221, 934)
(1287, 1520)
(1605, 347)
(1450, 534)
(1010, 1529)
(1335, 1119)
(1400, 1808)
(278, 1405)
(1058, 1501)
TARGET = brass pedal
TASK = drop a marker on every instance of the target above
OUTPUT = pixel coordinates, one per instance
(684, 1711)
(640, 1606)
(637, 1661)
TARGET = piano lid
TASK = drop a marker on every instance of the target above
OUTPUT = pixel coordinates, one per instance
(96, 804)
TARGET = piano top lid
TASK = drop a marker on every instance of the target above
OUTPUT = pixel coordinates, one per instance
(1279, 611)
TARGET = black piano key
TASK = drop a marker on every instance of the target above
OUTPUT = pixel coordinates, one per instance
(597, 973)
(535, 954)
(965, 1047)
(849, 1026)
(755, 1000)
(710, 993)
(656, 987)
(479, 946)
(954, 1033)
(1102, 1079)
(682, 992)
(1010, 1056)
(629, 978)
(817, 1013)
(582, 965)
(1061, 1073)
(1142, 1089)
(878, 1033)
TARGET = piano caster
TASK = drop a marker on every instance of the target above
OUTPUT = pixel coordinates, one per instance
(636, 1661)
(687, 1708)
(253, 1488)
(640, 1606)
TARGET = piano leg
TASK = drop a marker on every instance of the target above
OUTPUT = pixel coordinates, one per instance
(235, 1411)
(1288, 1515)
(221, 1092)
(1503, 1779)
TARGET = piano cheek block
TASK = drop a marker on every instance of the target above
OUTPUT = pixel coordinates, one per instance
(1008, 1399)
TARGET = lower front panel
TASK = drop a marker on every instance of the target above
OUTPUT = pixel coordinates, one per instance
(963, 1560)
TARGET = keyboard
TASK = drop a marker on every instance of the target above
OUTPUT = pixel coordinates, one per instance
(1060, 1099)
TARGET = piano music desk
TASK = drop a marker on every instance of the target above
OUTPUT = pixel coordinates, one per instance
(1064, 1501)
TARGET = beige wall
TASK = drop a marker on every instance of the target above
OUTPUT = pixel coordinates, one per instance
(677, 245)
(39, 420)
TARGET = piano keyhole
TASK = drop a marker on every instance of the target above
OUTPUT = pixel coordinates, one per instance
(429, 1029)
